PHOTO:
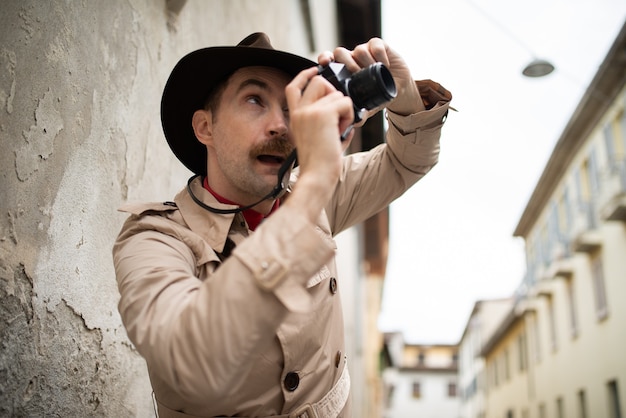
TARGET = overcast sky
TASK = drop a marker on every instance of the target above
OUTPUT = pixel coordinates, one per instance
(452, 234)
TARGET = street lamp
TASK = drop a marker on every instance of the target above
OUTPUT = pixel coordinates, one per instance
(538, 68)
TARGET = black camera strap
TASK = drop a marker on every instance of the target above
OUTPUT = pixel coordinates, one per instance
(277, 191)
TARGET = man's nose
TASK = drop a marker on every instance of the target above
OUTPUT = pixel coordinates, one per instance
(278, 123)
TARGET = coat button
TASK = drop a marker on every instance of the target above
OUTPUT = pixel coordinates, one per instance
(292, 380)
(333, 285)
(338, 359)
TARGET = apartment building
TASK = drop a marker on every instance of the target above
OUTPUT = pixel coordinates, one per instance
(559, 351)
(420, 380)
(485, 317)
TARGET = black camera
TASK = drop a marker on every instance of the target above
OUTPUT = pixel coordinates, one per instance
(368, 88)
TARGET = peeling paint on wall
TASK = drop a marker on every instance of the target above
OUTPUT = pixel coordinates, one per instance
(7, 63)
(57, 353)
(39, 138)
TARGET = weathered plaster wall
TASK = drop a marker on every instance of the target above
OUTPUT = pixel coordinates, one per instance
(80, 86)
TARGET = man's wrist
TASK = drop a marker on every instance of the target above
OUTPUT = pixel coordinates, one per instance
(309, 196)
(408, 101)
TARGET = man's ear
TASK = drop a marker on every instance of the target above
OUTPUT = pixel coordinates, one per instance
(203, 126)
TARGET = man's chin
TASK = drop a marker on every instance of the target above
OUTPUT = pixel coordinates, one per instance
(269, 174)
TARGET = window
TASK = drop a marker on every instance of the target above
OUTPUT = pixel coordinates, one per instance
(420, 359)
(564, 211)
(481, 381)
(417, 390)
(534, 329)
(390, 393)
(495, 372)
(552, 323)
(553, 225)
(521, 351)
(592, 172)
(452, 390)
(471, 389)
(544, 238)
(582, 404)
(585, 187)
(614, 141)
(531, 259)
(490, 378)
(507, 368)
(609, 143)
(578, 186)
(621, 146)
(573, 317)
(597, 274)
(615, 410)
(559, 408)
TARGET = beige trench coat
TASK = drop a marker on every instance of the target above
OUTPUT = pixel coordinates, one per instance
(261, 332)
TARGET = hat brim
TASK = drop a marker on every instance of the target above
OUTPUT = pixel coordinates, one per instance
(191, 80)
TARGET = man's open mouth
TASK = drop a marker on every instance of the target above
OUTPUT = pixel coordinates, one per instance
(271, 159)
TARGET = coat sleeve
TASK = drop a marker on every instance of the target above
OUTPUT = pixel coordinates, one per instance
(199, 330)
(370, 181)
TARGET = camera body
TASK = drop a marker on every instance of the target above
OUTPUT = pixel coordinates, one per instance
(368, 88)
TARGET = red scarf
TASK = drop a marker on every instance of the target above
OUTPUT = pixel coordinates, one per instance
(252, 217)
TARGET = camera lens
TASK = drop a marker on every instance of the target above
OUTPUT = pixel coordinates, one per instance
(371, 87)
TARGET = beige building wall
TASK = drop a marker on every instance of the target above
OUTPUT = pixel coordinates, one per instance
(569, 314)
(506, 374)
(365, 341)
(579, 298)
(415, 355)
(362, 342)
(421, 380)
(373, 343)
(484, 319)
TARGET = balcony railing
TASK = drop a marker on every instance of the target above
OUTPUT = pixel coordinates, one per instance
(583, 234)
(612, 197)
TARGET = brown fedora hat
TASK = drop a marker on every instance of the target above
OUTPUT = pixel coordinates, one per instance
(197, 73)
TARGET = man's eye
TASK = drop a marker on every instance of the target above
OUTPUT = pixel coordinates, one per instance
(254, 100)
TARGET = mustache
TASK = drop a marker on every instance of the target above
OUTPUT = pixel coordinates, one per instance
(274, 146)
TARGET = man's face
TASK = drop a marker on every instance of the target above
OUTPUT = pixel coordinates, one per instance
(249, 134)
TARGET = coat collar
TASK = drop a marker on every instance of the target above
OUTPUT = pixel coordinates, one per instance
(213, 228)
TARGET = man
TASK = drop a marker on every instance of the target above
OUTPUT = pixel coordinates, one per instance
(241, 318)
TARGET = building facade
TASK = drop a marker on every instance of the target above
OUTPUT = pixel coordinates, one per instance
(485, 317)
(559, 351)
(420, 380)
